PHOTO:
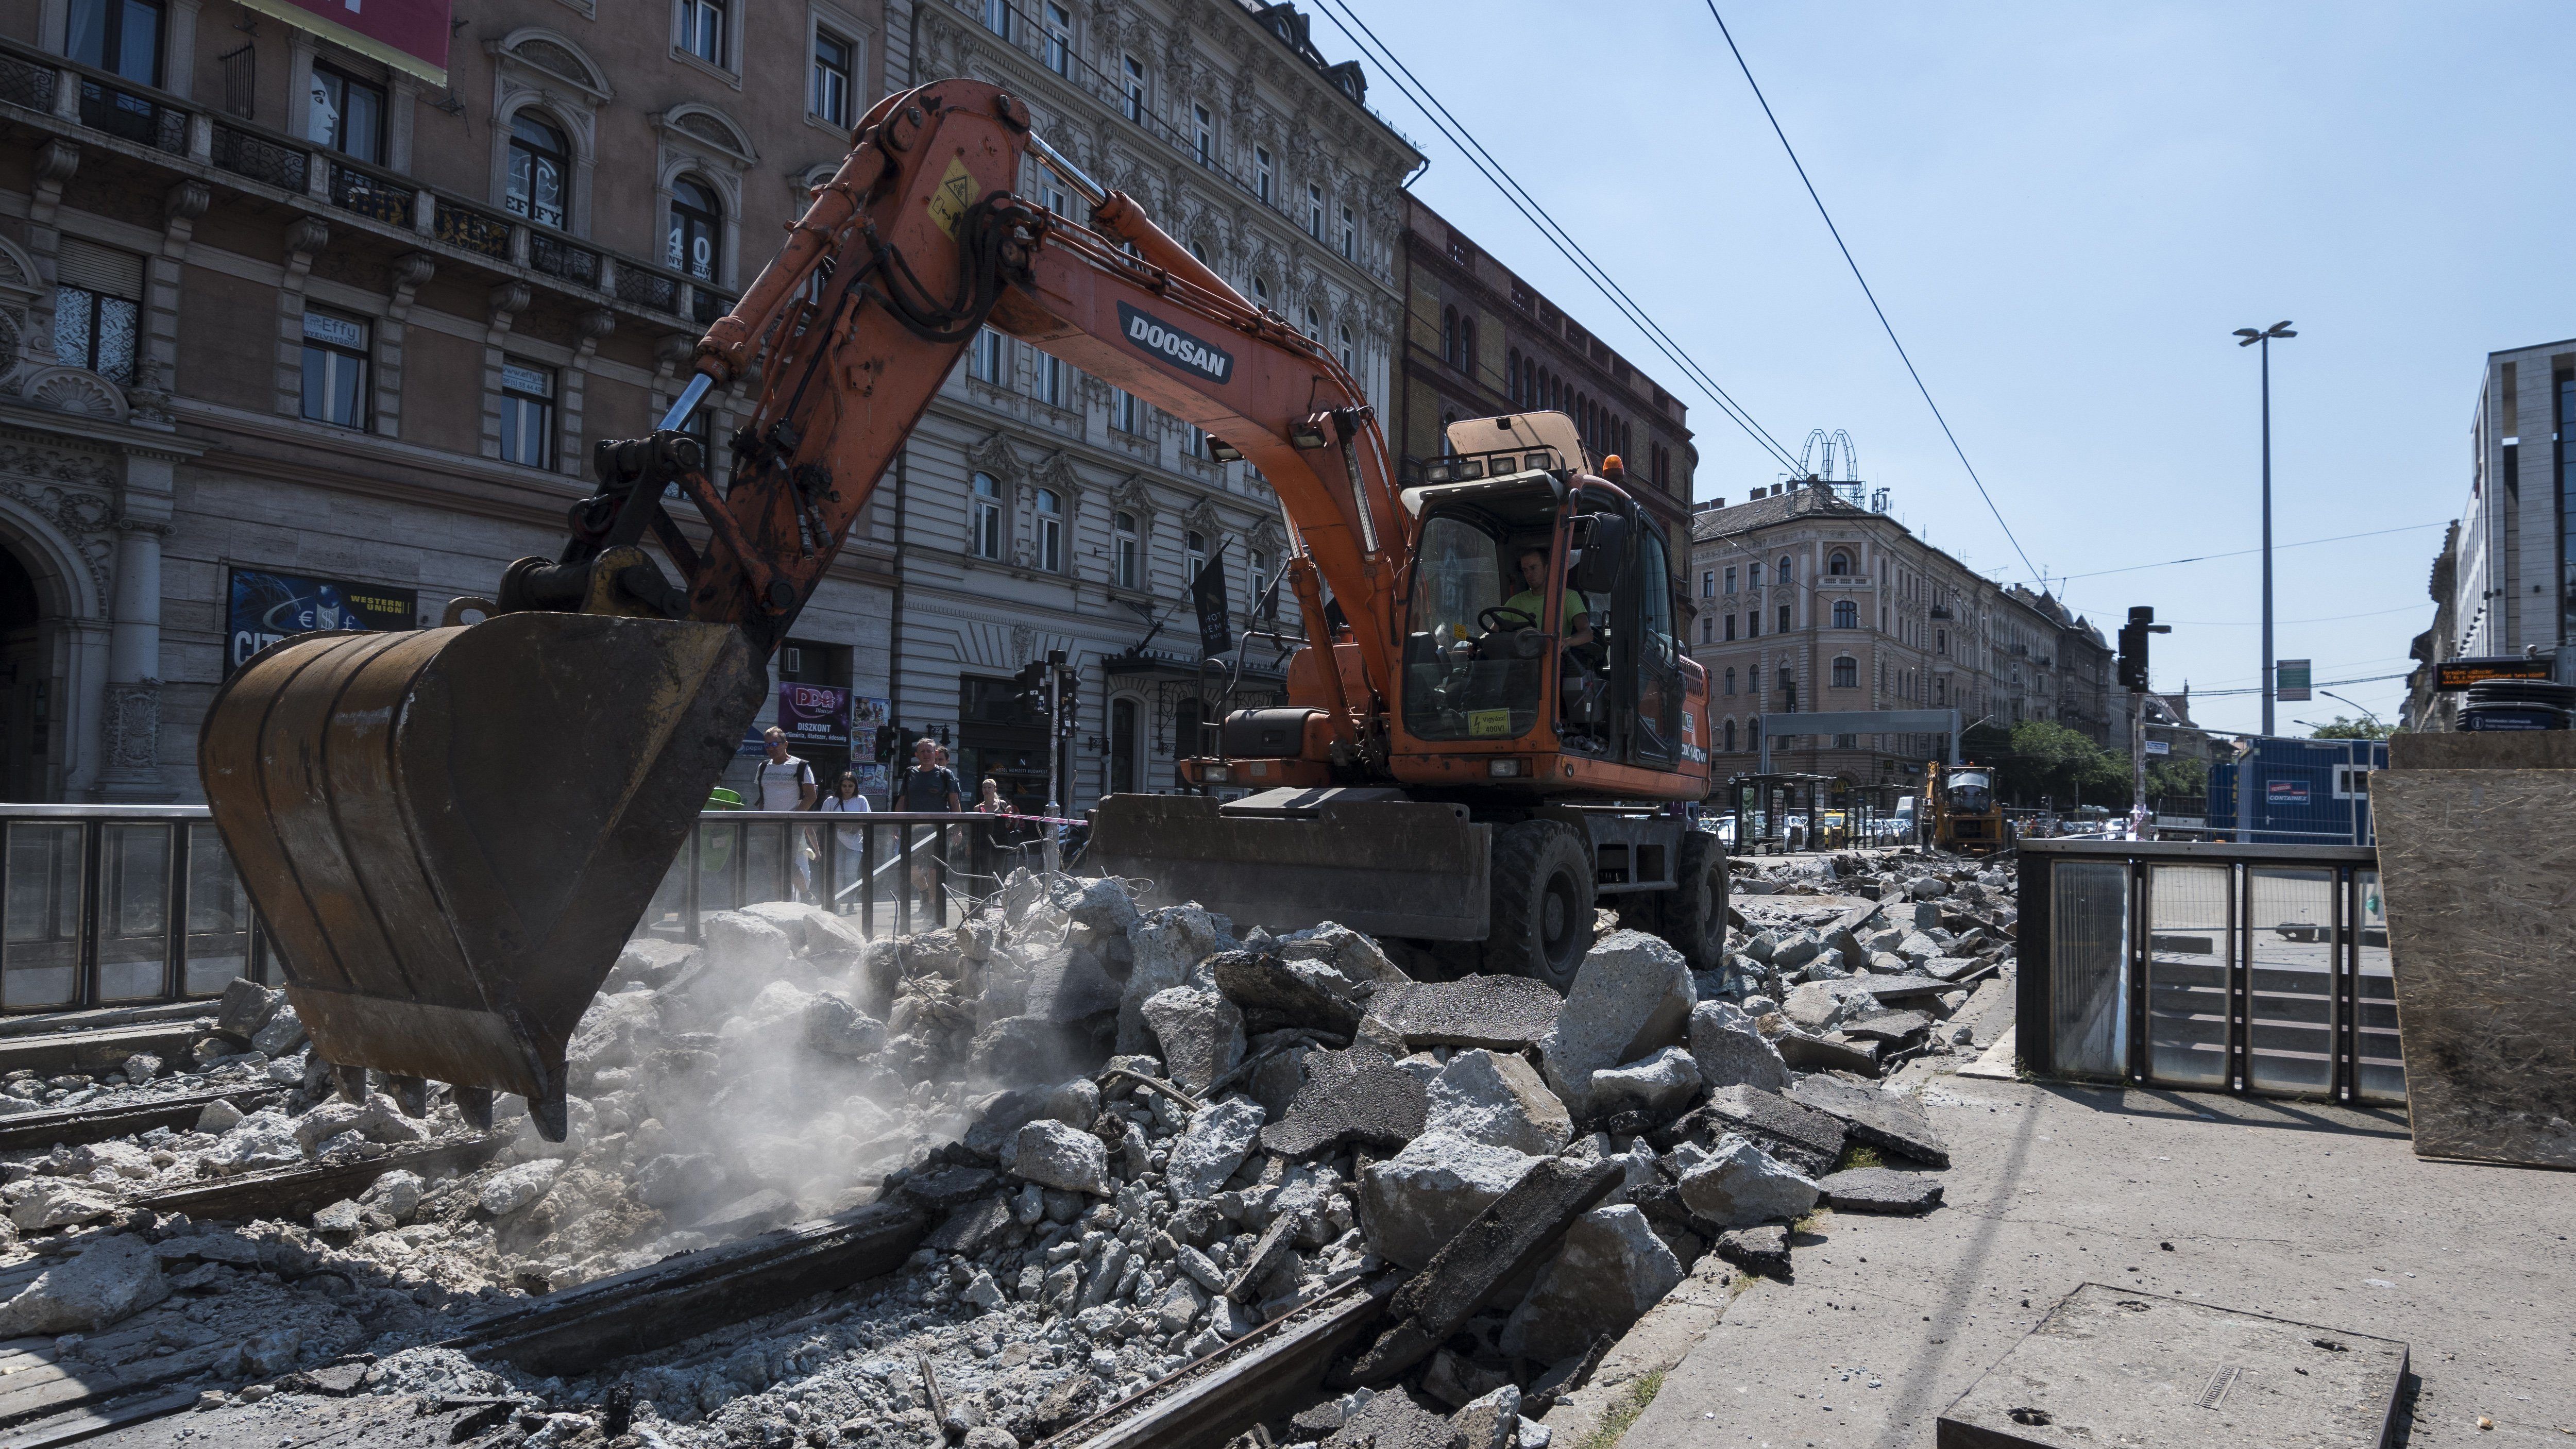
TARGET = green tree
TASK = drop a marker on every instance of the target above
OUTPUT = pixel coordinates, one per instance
(2340, 728)
(2170, 778)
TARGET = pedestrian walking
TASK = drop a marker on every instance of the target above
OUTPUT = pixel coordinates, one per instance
(845, 799)
(929, 787)
(786, 782)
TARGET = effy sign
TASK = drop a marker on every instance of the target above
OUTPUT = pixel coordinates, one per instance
(1175, 346)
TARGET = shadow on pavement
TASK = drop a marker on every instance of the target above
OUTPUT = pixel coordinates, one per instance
(2222, 1110)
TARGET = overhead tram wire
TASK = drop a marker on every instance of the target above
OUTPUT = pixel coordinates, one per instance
(1354, 29)
(1872, 296)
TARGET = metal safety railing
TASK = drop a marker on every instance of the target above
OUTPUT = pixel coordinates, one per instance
(2213, 966)
(131, 905)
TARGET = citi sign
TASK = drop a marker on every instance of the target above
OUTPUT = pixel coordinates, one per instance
(1175, 346)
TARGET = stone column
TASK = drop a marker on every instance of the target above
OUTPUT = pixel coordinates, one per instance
(129, 717)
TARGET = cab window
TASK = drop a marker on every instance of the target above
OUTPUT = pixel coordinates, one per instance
(1460, 683)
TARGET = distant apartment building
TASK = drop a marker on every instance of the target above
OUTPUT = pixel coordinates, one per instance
(1808, 601)
(2514, 584)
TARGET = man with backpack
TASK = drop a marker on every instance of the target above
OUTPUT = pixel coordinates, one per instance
(928, 787)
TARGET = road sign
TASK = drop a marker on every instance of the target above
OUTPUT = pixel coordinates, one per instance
(2290, 681)
(2160, 747)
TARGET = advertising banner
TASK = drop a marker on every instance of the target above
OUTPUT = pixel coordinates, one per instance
(2287, 792)
(263, 607)
(409, 35)
(1207, 592)
(814, 714)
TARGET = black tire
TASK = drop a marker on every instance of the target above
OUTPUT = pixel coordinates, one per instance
(1693, 915)
(1541, 921)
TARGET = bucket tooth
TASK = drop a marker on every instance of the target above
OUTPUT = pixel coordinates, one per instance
(350, 1084)
(475, 1105)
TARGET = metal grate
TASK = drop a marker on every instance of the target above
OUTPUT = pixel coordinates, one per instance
(647, 289)
(25, 83)
(558, 258)
(241, 78)
(353, 190)
(244, 154)
(464, 227)
(136, 118)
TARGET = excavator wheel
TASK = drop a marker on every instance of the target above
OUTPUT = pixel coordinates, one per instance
(1691, 917)
(1542, 902)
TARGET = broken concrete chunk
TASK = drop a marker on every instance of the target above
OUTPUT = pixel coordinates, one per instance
(219, 1116)
(1739, 1185)
(1807, 1139)
(1820, 1006)
(1497, 1099)
(514, 1188)
(109, 1281)
(283, 1033)
(1056, 1155)
(1632, 996)
(1166, 946)
(1610, 1269)
(1215, 1143)
(1274, 991)
(1499, 1013)
(1730, 1050)
(340, 1217)
(1490, 1421)
(837, 1028)
(245, 1008)
(1391, 1421)
(1763, 1250)
(1656, 1087)
(1200, 1032)
(1806, 1053)
(1355, 1097)
(1414, 1202)
(743, 947)
(1881, 1190)
(57, 1204)
(1889, 1027)
(674, 1178)
(1888, 1121)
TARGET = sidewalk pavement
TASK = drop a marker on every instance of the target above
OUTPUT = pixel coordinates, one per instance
(2298, 1211)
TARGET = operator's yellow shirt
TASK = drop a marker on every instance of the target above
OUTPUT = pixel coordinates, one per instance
(1527, 603)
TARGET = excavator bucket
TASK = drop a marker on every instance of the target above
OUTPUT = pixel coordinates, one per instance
(450, 833)
(1289, 859)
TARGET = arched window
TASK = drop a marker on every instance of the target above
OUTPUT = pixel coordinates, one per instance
(1730, 681)
(1467, 345)
(1125, 550)
(1512, 375)
(984, 521)
(1314, 325)
(696, 230)
(1846, 672)
(1730, 734)
(540, 168)
(1449, 335)
(1049, 534)
(1343, 336)
(1752, 735)
(1786, 571)
(1838, 565)
(1846, 614)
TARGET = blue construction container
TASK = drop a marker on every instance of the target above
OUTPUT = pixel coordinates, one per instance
(2306, 792)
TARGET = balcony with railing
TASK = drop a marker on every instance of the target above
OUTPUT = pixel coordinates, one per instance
(41, 92)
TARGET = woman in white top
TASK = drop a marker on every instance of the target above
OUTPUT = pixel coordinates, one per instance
(845, 799)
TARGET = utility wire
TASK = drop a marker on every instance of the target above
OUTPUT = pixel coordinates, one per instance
(1872, 296)
(1353, 29)
(2242, 552)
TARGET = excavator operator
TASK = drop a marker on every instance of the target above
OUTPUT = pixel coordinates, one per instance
(1531, 602)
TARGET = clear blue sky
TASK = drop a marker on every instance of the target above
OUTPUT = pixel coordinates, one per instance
(2065, 210)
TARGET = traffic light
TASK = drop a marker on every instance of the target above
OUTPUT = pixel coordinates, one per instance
(2133, 646)
(1030, 683)
(1068, 697)
(889, 741)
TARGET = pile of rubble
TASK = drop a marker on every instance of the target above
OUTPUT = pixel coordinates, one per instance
(1137, 1137)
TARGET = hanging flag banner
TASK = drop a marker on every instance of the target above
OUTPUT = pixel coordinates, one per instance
(1207, 591)
(409, 35)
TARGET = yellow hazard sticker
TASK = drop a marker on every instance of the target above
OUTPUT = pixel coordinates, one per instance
(956, 193)
(1484, 722)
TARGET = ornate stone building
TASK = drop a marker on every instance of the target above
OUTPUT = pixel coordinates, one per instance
(1043, 510)
(309, 325)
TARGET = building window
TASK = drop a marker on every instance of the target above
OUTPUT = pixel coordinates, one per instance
(347, 115)
(984, 518)
(1134, 72)
(1261, 292)
(1050, 380)
(1059, 39)
(835, 60)
(1730, 681)
(1314, 211)
(1940, 641)
(1122, 410)
(1846, 672)
(1256, 583)
(984, 357)
(1512, 376)
(1343, 334)
(1050, 531)
(123, 36)
(1449, 335)
(1193, 556)
(695, 228)
(1730, 626)
(1730, 581)
(1730, 729)
(1787, 570)
(1846, 614)
(540, 160)
(997, 17)
(1122, 747)
(1752, 623)
(1194, 442)
(1126, 550)
(97, 308)
(1940, 689)
(335, 368)
(1838, 565)
(1467, 345)
(1707, 626)
(1261, 170)
(1753, 575)
(1203, 136)
(1350, 234)
(702, 30)
(1708, 584)
(527, 414)
(1314, 325)
(1784, 620)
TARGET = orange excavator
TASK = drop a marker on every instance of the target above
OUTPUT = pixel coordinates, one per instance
(1489, 727)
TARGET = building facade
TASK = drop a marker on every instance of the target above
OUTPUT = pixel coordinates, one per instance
(1808, 601)
(303, 328)
(299, 328)
(1480, 342)
(2426, 706)
(1041, 510)
(2514, 583)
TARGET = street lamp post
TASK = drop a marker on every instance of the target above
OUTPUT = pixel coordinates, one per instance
(2356, 704)
(2248, 337)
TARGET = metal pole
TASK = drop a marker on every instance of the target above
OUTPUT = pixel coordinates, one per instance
(2137, 750)
(1055, 732)
(2267, 534)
